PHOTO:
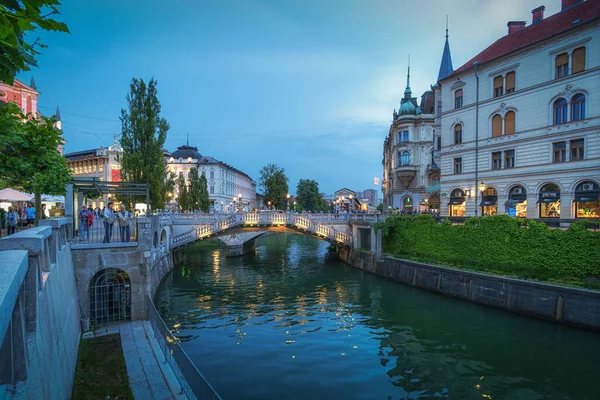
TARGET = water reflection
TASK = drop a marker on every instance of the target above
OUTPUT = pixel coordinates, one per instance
(282, 324)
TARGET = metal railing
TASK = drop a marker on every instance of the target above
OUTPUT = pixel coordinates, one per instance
(105, 231)
(193, 383)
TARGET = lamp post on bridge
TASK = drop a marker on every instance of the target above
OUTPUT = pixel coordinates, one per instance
(350, 204)
(288, 202)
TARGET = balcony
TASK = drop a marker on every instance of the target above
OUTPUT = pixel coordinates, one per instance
(406, 173)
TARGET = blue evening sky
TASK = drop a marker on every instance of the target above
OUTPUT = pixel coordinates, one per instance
(309, 85)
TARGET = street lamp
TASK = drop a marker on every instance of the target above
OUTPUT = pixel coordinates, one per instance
(240, 201)
(351, 204)
(294, 206)
(222, 208)
(481, 190)
(288, 202)
(269, 203)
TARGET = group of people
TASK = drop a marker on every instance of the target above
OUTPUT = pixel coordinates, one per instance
(108, 218)
(27, 214)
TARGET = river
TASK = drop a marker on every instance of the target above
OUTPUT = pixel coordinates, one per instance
(284, 324)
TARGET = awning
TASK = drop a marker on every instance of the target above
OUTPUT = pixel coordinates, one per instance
(510, 203)
(549, 199)
(519, 198)
(456, 200)
(10, 195)
(489, 201)
(586, 196)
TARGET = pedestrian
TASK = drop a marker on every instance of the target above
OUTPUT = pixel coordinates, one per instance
(44, 212)
(84, 223)
(124, 218)
(30, 215)
(109, 221)
(12, 218)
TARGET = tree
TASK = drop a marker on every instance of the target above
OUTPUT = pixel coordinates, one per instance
(143, 134)
(275, 186)
(18, 19)
(307, 195)
(183, 198)
(169, 187)
(30, 158)
(204, 204)
(380, 207)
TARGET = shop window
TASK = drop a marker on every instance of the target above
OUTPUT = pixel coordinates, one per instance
(498, 86)
(559, 150)
(560, 111)
(458, 134)
(562, 65)
(458, 98)
(496, 125)
(510, 82)
(578, 107)
(516, 205)
(510, 123)
(456, 205)
(587, 200)
(489, 201)
(576, 150)
(458, 165)
(549, 201)
(509, 159)
(578, 57)
(497, 160)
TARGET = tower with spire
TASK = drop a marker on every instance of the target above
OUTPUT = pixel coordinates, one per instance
(408, 104)
(446, 64)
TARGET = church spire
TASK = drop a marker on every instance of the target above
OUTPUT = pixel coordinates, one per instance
(57, 114)
(446, 65)
(408, 92)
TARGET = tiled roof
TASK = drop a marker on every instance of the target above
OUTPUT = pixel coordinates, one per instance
(571, 18)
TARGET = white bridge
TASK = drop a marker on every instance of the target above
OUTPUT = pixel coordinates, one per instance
(330, 227)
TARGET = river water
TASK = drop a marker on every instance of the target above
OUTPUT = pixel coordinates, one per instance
(284, 324)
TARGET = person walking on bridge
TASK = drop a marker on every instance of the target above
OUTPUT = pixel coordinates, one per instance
(109, 222)
(124, 218)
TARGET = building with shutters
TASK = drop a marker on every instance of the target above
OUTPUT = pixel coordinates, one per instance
(517, 131)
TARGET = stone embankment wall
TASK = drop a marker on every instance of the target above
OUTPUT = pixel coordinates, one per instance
(572, 306)
(43, 313)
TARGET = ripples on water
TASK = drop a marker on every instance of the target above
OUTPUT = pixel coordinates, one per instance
(282, 324)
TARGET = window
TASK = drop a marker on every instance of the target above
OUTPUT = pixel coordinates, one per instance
(405, 158)
(498, 86)
(510, 82)
(578, 107)
(458, 165)
(559, 150)
(560, 111)
(212, 174)
(457, 134)
(439, 108)
(496, 125)
(497, 160)
(576, 149)
(509, 159)
(562, 65)
(510, 123)
(458, 98)
(212, 189)
(403, 137)
(578, 60)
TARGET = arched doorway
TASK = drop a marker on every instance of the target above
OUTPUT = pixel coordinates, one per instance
(434, 203)
(110, 297)
(456, 205)
(489, 201)
(407, 204)
(516, 205)
(587, 200)
(549, 201)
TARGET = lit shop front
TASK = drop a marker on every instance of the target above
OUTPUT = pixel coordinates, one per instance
(587, 200)
(516, 205)
(407, 204)
(549, 201)
(489, 201)
(456, 205)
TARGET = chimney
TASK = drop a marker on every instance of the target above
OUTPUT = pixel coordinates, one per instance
(514, 26)
(537, 14)
(569, 3)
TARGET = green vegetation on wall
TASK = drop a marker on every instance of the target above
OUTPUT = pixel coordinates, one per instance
(500, 244)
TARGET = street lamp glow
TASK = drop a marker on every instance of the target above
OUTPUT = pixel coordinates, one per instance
(288, 196)
(481, 187)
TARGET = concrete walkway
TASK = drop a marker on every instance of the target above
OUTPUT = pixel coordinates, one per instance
(149, 376)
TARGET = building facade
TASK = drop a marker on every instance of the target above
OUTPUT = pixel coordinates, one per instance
(103, 164)
(410, 171)
(229, 189)
(519, 134)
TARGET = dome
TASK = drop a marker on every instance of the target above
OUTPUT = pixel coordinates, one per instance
(408, 108)
(186, 152)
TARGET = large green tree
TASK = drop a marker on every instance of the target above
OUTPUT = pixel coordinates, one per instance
(18, 20)
(274, 183)
(204, 204)
(183, 199)
(143, 135)
(30, 159)
(307, 195)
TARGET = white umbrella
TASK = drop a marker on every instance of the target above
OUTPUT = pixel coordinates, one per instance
(53, 199)
(9, 194)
